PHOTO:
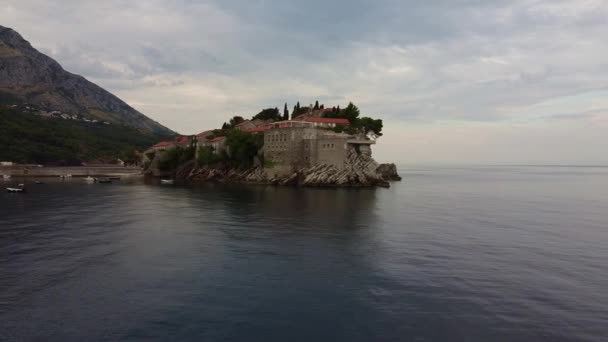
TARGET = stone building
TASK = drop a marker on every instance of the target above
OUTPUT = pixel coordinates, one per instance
(293, 145)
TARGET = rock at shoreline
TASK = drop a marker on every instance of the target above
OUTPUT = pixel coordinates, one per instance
(388, 172)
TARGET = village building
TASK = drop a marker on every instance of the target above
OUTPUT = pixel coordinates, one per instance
(218, 144)
(326, 122)
(184, 141)
(162, 146)
(203, 135)
(245, 125)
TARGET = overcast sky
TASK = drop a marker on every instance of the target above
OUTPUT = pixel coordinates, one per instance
(455, 81)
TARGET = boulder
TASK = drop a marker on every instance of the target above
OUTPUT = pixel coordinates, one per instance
(388, 172)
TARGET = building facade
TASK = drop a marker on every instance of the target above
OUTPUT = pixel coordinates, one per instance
(293, 145)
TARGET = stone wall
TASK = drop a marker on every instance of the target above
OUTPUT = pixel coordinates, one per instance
(294, 148)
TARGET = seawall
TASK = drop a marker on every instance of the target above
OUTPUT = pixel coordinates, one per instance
(75, 171)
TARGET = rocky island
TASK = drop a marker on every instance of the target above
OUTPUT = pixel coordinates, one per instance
(317, 146)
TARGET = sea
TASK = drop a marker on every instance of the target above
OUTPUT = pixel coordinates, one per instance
(484, 253)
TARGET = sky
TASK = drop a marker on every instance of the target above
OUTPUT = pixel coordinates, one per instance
(455, 81)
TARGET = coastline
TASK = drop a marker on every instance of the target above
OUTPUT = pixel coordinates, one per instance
(74, 171)
(317, 176)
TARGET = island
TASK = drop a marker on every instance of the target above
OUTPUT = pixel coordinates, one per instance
(315, 146)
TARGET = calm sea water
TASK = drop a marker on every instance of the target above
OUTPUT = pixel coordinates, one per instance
(449, 254)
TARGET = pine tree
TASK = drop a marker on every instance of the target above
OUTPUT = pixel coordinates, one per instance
(225, 126)
(316, 107)
(298, 105)
(322, 106)
(285, 112)
(338, 109)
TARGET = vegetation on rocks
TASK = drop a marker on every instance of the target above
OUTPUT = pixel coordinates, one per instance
(174, 158)
(365, 125)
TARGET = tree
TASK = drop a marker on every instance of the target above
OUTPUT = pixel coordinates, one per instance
(285, 112)
(351, 112)
(207, 156)
(235, 121)
(225, 126)
(268, 114)
(298, 105)
(243, 147)
(174, 158)
(316, 107)
(322, 106)
(370, 126)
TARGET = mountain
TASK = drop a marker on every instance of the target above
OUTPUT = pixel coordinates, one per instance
(30, 77)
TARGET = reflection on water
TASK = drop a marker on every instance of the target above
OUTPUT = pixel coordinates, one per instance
(449, 254)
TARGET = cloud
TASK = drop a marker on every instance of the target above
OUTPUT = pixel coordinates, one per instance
(483, 64)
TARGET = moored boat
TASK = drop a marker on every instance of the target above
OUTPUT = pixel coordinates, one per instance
(89, 179)
(6, 177)
(167, 181)
(19, 188)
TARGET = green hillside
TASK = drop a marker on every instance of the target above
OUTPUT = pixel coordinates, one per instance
(28, 138)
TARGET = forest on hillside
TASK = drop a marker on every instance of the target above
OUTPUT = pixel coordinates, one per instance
(28, 138)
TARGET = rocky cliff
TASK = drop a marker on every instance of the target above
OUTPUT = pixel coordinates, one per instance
(358, 171)
(28, 76)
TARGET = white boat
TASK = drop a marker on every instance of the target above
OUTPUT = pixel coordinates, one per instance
(89, 179)
(6, 177)
(167, 181)
(19, 188)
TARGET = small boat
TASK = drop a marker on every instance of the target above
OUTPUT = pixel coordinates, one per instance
(38, 182)
(89, 179)
(167, 181)
(19, 188)
(6, 177)
(103, 180)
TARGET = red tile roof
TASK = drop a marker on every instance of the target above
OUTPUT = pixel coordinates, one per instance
(337, 121)
(258, 129)
(204, 134)
(182, 140)
(216, 139)
(164, 144)
(245, 122)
